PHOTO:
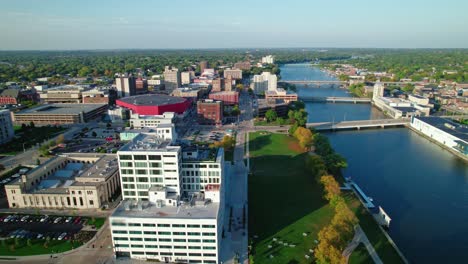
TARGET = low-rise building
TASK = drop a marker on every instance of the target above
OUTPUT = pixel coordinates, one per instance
(234, 74)
(210, 112)
(243, 65)
(446, 132)
(6, 127)
(60, 114)
(187, 93)
(282, 94)
(75, 181)
(227, 97)
(63, 94)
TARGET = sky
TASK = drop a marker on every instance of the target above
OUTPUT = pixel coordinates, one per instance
(174, 24)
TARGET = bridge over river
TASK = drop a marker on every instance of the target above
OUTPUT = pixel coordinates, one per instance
(334, 99)
(358, 124)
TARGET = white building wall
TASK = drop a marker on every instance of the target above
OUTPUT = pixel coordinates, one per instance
(6, 127)
(434, 133)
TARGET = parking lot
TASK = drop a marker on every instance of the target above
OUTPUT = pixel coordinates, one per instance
(206, 135)
(40, 226)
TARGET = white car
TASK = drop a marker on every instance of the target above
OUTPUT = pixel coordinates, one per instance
(57, 220)
(44, 219)
(62, 236)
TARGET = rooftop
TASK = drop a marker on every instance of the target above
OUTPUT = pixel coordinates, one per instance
(146, 142)
(152, 100)
(447, 126)
(61, 109)
(147, 209)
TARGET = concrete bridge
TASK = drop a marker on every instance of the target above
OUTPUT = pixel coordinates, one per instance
(358, 124)
(333, 99)
(313, 82)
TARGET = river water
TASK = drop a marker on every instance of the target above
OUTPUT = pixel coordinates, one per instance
(422, 187)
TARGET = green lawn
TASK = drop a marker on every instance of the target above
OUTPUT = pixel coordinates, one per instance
(384, 249)
(266, 123)
(29, 136)
(284, 202)
(360, 255)
(36, 248)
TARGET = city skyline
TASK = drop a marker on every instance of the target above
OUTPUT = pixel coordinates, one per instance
(67, 25)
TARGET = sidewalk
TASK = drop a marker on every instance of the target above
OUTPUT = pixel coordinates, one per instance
(360, 237)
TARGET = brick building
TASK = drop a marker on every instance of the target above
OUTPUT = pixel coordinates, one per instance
(210, 112)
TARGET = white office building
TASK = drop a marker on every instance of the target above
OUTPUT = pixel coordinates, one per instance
(141, 121)
(6, 127)
(173, 202)
(264, 82)
(269, 59)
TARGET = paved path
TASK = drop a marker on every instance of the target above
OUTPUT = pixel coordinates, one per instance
(360, 237)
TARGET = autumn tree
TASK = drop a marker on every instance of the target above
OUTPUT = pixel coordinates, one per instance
(331, 186)
(60, 139)
(227, 143)
(304, 136)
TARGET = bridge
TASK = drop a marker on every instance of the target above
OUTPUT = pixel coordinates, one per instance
(333, 99)
(313, 82)
(358, 124)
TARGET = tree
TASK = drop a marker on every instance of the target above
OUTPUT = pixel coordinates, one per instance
(331, 187)
(94, 134)
(240, 86)
(271, 115)
(408, 88)
(235, 110)
(227, 143)
(38, 162)
(60, 139)
(108, 125)
(304, 136)
(31, 124)
(316, 166)
(29, 242)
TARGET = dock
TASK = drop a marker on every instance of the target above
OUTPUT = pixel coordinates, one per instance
(365, 200)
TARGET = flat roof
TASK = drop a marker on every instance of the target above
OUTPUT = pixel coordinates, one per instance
(148, 142)
(149, 210)
(61, 109)
(152, 99)
(447, 126)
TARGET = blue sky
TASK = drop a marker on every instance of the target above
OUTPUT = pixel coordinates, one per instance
(104, 24)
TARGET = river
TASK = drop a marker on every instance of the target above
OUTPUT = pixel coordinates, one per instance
(422, 187)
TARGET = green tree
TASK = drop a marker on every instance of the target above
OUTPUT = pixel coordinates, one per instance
(94, 134)
(271, 115)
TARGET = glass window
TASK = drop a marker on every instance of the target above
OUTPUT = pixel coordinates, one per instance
(165, 246)
(209, 234)
(149, 225)
(151, 239)
(126, 171)
(164, 233)
(136, 246)
(149, 232)
(133, 232)
(155, 165)
(134, 224)
(180, 240)
(209, 241)
(142, 172)
(156, 179)
(136, 239)
(140, 164)
(128, 179)
(151, 246)
(178, 233)
(208, 226)
(164, 225)
(180, 254)
(164, 240)
(178, 225)
(209, 248)
(126, 164)
(118, 224)
(125, 157)
(139, 157)
(142, 193)
(155, 172)
(121, 238)
(154, 157)
(193, 226)
(194, 240)
(193, 233)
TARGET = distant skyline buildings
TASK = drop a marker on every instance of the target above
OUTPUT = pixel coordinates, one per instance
(71, 25)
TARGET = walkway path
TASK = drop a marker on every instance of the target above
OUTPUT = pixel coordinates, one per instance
(360, 237)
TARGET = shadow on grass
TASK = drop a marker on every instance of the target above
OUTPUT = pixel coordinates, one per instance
(259, 142)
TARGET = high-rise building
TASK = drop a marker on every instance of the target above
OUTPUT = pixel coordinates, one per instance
(203, 66)
(264, 82)
(235, 74)
(228, 84)
(217, 85)
(210, 112)
(173, 201)
(171, 78)
(378, 90)
(187, 77)
(269, 59)
(126, 85)
(6, 127)
(141, 86)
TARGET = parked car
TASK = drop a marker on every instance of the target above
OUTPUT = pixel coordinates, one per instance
(77, 220)
(62, 236)
(25, 218)
(44, 219)
(40, 236)
(68, 220)
(57, 220)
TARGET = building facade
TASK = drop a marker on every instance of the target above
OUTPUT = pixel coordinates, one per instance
(126, 86)
(71, 182)
(264, 82)
(60, 114)
(171, 78)
(269, 59)
(6, 127)
(210, 112)
(141, 86)
(228, 98)
(234, 74)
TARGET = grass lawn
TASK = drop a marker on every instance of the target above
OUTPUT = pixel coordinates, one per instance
(284, 202)
(382, 246)
(266, 123)
(29, 136)
(36, 248)
(360, 256)
(98, 222)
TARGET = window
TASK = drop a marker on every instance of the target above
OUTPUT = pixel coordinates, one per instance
(165, 240)
(169, 156)
(169, 163)
(142, 193)
(209, 248)
(125, 157)
(149, 232)
(121, 238)
(119, 232)
(141, 164)
(151, 239)
(194, 240)
(180, 240)
(126, 164)
(178, 225)
(164, 233)
(156, 179)
(129, 193)
(137, 246)
(209, 241)
(136, 239)
(208, 226)
(193, 226)
(133, 232)
(209, 255)
(155, 165)
(164, 225)
(165, 246)
(154, 157)
(139, 157)
(126, 171)
(138, 253)
(165, 253)
(180, 254)
(118, 224)
(195, 254)
(128, 179)
(91, 202)
(169, 170)
(214, 166)
(149, 225)
(129, 186)
(142, 172)
(134, 224)
(193, 233)
(121, 245)
(151, 246)
(209, 234)
(143, 186)
(155, 172)
(89, 192)
(178, 233)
